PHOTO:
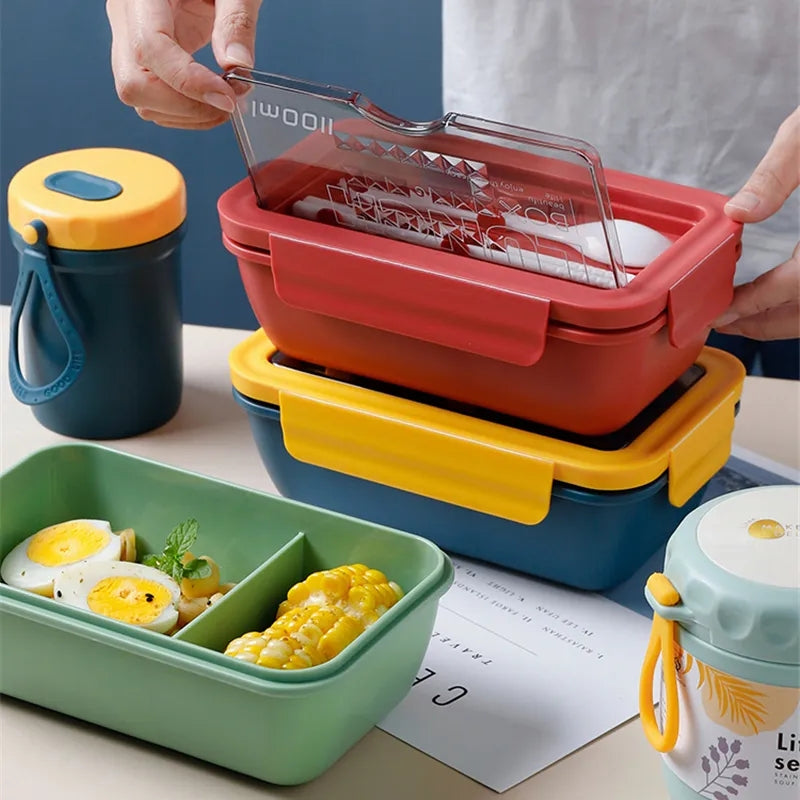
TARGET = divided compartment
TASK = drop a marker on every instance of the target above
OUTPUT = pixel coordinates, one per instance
(252, 605)
(265, 558)
(79, 481)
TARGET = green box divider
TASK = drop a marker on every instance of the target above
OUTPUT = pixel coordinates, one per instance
(252, 604)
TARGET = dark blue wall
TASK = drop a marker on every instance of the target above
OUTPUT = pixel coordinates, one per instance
(57, 93)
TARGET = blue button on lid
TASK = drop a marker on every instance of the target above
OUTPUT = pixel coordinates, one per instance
(82, 185)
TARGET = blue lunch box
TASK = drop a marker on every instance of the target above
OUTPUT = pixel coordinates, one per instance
(583, 511)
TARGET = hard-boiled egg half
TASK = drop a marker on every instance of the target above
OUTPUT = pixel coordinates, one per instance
(122, 590)
(36, 561)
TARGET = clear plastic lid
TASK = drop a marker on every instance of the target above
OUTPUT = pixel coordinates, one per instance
(503, 194)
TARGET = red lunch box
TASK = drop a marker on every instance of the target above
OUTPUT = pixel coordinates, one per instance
(480, 263)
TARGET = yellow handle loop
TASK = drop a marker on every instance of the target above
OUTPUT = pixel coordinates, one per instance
(661, 644)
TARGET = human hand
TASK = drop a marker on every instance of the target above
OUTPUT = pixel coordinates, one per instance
(151, 56)
(768, 307)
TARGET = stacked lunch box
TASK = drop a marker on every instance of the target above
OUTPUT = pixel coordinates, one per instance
(473, 332)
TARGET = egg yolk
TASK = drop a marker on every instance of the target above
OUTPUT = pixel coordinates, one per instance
(137, 601)
(66, 543)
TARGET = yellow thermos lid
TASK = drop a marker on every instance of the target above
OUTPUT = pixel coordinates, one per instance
(98, 198)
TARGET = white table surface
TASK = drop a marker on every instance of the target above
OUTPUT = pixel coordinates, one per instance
(46, 755)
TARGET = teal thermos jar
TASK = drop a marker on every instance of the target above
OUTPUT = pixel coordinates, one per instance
(726, 626)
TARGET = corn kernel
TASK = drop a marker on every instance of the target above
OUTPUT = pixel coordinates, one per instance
(340, 635)
(245, 656)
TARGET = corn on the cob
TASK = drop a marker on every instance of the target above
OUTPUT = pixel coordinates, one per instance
(319, 618)
(302, 637)
(361, 592)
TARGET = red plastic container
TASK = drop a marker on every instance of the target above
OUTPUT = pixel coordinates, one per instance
(562, 353)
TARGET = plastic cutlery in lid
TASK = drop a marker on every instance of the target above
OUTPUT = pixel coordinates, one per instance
(473, 187)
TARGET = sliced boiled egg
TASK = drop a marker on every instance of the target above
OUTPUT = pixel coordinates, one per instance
(122, 590)
(34, 563)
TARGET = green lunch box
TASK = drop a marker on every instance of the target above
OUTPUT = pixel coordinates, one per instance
(181, 692)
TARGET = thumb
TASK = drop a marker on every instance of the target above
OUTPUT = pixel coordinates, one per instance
(774, 179)
(768, 306)
(234, 35)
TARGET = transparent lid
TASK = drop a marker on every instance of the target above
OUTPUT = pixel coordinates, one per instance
(503, 194)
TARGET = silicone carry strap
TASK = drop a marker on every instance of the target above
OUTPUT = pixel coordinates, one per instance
(661, 644)
(35, 261)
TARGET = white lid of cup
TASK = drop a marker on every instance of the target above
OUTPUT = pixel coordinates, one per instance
(756, 536)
